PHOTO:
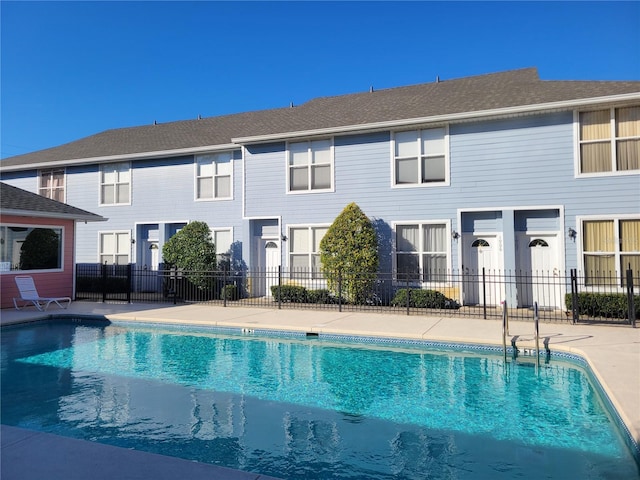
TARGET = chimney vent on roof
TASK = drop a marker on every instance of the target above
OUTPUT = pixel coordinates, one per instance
(437, 78)
(155, 122)
(199, 117)
(371, 89)
(291, 105)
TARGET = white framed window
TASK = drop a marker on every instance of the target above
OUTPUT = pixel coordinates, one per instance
(610, 246)
(422, 251)
(304, 250)
(222, 239)
(31, 247)
(310, 166)
(214, 174)
(51, 184)
(609, 141)
(420, 157)
(115, 248)
(115, 184)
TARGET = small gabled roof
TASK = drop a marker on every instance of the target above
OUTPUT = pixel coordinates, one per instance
(16, 201)
(504, 93)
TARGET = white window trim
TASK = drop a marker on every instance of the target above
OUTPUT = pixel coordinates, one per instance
(447, 160)
(46, 270)
(64, 181)
(421, 251)
(100, 202)
(576, 147)
(196, 177)
(113, 232)
(309, 227)
(580, 219)
(288, 168)
(213, 238)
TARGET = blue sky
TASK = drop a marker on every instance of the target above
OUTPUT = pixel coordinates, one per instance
(72, 69)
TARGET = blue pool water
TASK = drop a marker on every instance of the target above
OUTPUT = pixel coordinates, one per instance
(310, 408)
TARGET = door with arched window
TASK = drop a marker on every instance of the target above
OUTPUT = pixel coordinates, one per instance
(538, 271)
(482, 252)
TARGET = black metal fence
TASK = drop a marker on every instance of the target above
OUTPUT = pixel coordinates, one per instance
(573, 297)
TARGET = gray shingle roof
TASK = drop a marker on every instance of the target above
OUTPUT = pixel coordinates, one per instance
(16, 201)
(512, 89)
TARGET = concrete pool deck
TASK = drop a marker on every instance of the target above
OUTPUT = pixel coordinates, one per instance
(612, 352)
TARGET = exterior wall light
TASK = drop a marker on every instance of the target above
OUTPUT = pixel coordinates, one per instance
(571, 233)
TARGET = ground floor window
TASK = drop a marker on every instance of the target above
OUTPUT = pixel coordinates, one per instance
(304, 250)
(222, 238)
(26, 247)
(421, 252)
(610, 247)
(115, 248)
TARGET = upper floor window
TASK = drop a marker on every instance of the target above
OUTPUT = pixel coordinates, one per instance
(115, 184)
(304, 250)
(115, 248)
(422, 252)
(420, 157)
(52, 184)
(27, 247)
(310, 166)
(610, 247)
(213, 176)
(610, 140)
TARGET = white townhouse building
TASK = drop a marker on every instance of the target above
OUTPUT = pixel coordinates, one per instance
(502, 171)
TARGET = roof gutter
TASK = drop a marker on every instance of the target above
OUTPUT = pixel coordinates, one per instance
(465, 116)
(64, 216)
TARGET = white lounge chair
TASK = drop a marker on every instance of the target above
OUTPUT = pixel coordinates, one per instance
(29, 295)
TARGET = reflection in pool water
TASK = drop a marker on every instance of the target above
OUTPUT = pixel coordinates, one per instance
(303, 408)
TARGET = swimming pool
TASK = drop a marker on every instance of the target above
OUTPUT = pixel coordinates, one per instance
(303, 408)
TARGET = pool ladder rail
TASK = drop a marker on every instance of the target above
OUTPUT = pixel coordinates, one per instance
(536, 335)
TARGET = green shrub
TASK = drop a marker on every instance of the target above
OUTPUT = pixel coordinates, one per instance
(289, 294)
(192, 251)
(607, 305)
(229, 292)
(350, 249)
(323, 296)
(419, 298)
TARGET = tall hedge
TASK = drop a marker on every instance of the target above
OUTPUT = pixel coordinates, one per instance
(192, 251)
(350, 249)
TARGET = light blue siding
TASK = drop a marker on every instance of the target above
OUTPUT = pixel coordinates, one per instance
(523, 161)
(514, 174)
(537, 220)
(162, 193)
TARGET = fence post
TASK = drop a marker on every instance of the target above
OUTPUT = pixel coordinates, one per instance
(408, 294)
(340, 290)
(484, 295)
(103, 267)
(129, 282)
(174, 275)
(630, 299)
(279, 286)
(505, 329)
(574, 296)
(224, 286)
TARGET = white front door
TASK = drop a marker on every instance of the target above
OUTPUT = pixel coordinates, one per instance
(151, 256)
(272, 262)
(482, 252)
(539, 272)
